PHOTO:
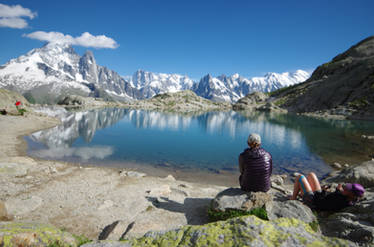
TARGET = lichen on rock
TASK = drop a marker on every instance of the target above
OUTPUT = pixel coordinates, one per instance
(33, 234)
(240, 231)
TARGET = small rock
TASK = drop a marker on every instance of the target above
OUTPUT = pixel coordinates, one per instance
(337, 165)
(164, 190)
(122, 173)
(278, 187)
(346, 165)
(277, 179)
(235, 198)
(4, 216)
(107, 204)
(170, 178)
(52, 169)
(184, 186)
(135, 174)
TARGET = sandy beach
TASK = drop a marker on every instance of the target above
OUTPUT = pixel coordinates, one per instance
(84, 200)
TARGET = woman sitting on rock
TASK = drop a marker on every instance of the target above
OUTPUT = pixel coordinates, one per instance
(316, 198)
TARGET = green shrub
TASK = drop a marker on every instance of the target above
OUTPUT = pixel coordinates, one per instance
(21, 111)
(232, 213)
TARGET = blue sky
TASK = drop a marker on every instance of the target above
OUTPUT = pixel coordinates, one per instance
(191, 37)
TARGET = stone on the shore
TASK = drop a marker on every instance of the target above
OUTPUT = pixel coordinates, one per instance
(278, 179)
(170, 178)
(33, 234)
(240, 231)
(362, 174)
(135, 174)
(290, 209)
(235, 198)
(367, 137)
(163, 190)
(337, 165)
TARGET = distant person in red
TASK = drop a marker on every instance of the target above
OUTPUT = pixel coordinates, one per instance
(255, 166)
(320, 199)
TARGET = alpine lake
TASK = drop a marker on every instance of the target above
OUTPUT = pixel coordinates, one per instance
(201, 143)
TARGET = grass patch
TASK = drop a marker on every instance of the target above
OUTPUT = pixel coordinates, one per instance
(280, 102)
(359, 103)
(281, 90)
(21, 111)
(314, 225)
(232, 213)
(81, 240)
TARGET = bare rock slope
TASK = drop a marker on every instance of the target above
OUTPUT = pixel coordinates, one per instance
(343, 86)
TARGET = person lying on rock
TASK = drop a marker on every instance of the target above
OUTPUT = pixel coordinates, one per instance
(320, 199)
(255, 166)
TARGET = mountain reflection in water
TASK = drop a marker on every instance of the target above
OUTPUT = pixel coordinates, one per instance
(203, 140)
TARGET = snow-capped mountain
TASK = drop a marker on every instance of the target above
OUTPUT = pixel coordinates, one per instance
(232, 88)
(56, 69)
(151, 84)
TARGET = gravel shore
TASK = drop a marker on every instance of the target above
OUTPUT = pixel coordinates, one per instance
(84, 200)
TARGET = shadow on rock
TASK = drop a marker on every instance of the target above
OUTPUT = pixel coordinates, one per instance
(195, 209)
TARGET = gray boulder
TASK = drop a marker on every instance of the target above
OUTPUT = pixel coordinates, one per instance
(355, 223)
(250, 101)
(235, 198)
(290, 209)
(362, 174)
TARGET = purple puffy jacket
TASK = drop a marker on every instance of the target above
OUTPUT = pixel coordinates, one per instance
(255, 167)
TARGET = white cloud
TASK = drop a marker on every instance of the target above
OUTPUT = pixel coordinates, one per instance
(12, 16)
(85, 153)
(86, 39)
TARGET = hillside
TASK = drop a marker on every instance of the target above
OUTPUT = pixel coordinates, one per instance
(184, 101)
(343, 86)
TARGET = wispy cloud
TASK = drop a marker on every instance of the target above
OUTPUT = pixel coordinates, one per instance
(12, 16)
(86, 39)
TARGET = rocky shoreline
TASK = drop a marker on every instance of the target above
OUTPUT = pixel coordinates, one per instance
(94, 201)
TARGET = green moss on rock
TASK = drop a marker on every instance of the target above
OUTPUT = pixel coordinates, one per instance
(33, 234)
(241, 231)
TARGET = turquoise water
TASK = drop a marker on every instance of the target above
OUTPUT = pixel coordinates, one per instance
(209, 141)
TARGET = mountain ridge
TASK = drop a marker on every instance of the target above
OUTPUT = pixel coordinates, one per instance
(342, 86)
(55, 70)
